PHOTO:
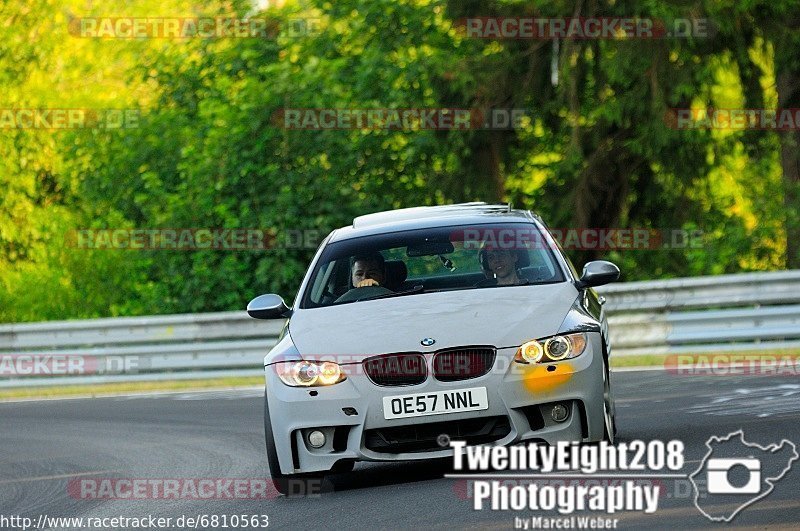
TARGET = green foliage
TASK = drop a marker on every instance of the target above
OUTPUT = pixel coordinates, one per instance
(209, 149)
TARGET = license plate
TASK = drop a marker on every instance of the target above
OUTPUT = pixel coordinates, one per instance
(435, 403)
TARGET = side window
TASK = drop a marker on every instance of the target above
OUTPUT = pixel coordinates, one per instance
(331, 282)
(321, 281)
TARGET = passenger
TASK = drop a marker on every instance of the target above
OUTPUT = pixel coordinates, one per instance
(500, 266)
(368, 270)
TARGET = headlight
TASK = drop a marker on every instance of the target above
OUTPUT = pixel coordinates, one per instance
(556, 348)
(530, 352)
(309, 373)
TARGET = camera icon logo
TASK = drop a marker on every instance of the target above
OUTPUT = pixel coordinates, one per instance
(718, 482)
(736, 473)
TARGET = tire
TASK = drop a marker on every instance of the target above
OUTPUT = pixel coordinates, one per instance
(280, 480)
(609, 413)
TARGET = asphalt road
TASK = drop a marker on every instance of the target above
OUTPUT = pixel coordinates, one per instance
(48, 444)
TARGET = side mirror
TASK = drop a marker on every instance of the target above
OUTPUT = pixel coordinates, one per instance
(268, 306)
(597, 273)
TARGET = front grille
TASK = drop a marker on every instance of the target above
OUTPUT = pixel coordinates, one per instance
(425, 437)
(462, 363)
(396, 369)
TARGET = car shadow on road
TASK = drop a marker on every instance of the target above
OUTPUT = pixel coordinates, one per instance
(370, 475)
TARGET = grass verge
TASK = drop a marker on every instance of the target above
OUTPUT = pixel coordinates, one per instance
(128, 387)
(652, 360)
(644, 360)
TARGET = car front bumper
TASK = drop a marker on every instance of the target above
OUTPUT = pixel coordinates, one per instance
(350, 413)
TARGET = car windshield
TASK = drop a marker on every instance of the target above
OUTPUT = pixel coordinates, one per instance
(418, 261)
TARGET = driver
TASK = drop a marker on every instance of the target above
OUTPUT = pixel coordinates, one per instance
(368, 270)
(500, 266)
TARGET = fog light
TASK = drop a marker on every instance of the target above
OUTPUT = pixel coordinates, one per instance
(559, 413)
(316, 439)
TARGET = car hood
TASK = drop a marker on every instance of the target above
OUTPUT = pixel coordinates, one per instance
(503, 317)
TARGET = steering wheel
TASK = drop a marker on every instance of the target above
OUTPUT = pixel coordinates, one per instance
(367, 292)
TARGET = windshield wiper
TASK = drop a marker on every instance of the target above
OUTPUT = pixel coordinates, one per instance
(419, 288)
(522, 282)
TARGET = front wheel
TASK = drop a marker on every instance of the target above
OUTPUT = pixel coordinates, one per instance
(609, 415)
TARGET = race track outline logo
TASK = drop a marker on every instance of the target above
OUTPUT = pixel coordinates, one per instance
(719, 487)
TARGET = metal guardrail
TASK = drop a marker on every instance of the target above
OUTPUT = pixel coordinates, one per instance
(744, 312)
(187, 346)
(752, 311)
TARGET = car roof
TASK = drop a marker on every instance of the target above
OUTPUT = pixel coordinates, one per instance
(431, 216)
